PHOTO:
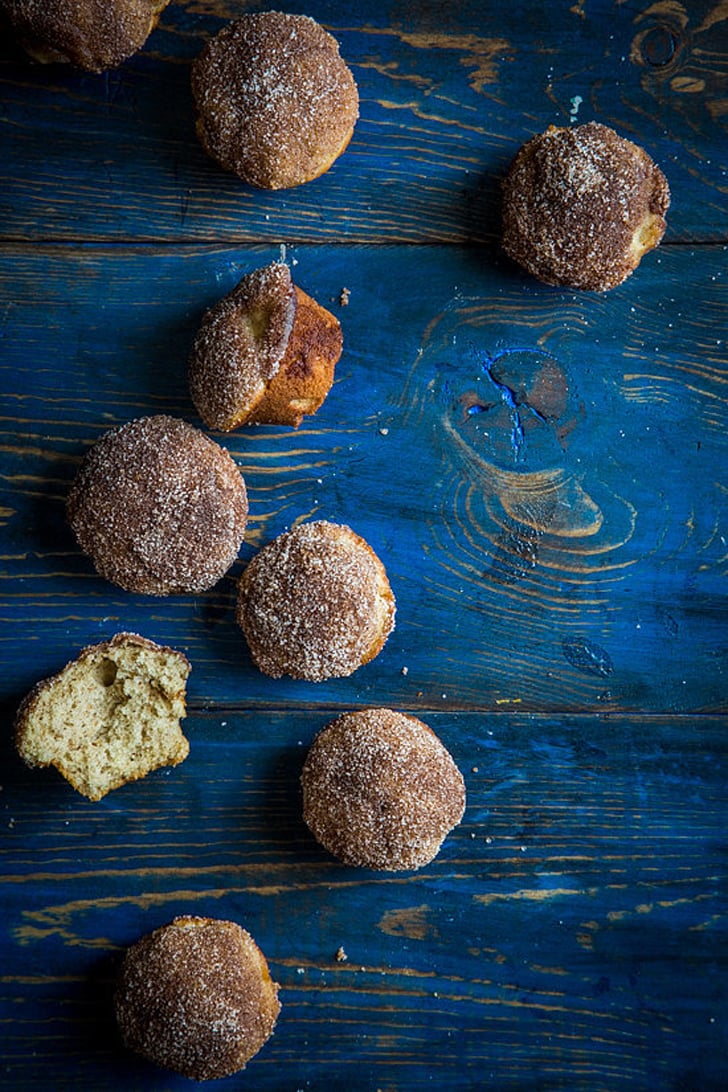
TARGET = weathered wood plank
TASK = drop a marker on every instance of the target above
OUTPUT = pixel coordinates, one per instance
(571, 933)
(446, 100)
(567, 552)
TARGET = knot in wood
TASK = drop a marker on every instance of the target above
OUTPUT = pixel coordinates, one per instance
(658, 46)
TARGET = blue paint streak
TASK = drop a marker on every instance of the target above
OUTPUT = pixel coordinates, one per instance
(508, 396)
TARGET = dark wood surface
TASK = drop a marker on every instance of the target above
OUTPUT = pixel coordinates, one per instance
(560, 583)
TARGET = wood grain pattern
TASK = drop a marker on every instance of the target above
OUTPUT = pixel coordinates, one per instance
(525, 544)
(546, 939)
(445, 103)
(543, 474)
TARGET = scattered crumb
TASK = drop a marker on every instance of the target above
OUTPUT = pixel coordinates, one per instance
(300, 970)
(405, 671)
(384, 432)
(341, 956)
(475, 769)
(344, 297)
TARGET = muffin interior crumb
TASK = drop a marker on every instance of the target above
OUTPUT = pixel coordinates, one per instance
(110, 717)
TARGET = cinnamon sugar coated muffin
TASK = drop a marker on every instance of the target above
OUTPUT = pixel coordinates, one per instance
(275, 102)
(91, 34)
(196, 997)
(381, 791)
(265, 353)
(315, 603)
(581, 206)
(159, 507)
(109, 717)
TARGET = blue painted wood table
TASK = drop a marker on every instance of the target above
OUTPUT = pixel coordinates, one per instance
(561, 605)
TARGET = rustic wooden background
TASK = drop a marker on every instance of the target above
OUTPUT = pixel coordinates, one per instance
(561, 583)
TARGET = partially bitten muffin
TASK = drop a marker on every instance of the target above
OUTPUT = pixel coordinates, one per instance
(276, 103)
(159, 507)
(380, 790)
(91, 34)
(315, 603)
(196, 997)
(264, 354)
(110, 716)
(581, 206)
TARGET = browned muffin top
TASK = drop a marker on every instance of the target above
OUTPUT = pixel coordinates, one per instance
(581, 205)
(276, 103)
(159, 507)
(240, 345)
(196, 997)
(315, 603)
(380, 790)
(93, 34)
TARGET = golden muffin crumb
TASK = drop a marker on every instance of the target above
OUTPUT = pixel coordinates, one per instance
(109, 717)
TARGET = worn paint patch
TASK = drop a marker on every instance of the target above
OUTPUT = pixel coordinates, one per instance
(587, 657)
(480, 53)
(532, 894)
(59, 920)
(410, 922)
(585, 935)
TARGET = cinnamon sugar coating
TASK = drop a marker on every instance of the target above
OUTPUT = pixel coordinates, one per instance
(265, 353)
(159, 507)
(581, 206)
(196, 997)
(276, 104)
(92, 34)
(381, 791)
(315, 603)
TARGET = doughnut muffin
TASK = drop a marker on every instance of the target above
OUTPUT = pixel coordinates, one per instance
(91, 34)
(581, 206)
(196, 997)
(264, 354)
(381, 791)
(315, 603)
(109, 717)
(275, 102)
(159, 507)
